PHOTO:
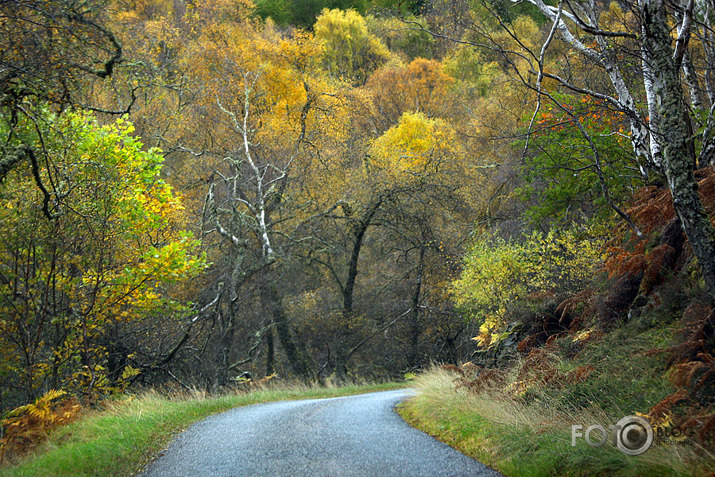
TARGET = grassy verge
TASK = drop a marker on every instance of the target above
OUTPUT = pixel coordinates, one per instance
(520, 439)
(122, 438)
(529, 433)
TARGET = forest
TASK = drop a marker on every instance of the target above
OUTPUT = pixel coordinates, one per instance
(198, 192)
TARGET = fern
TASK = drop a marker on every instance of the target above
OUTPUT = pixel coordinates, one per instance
(26, 426)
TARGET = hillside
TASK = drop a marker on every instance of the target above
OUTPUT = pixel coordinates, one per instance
(638, 342)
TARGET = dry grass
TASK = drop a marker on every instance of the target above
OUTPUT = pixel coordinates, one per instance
(532, 437)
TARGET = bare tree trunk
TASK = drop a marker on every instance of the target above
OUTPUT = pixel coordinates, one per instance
(676, 136)
(270, 353)
(297, 359)
(342, 354)
(415, 329)
(226, 331)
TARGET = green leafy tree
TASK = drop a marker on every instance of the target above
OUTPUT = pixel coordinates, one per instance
(68, 286)
(303, 12)
(48, 52)
(564, 182)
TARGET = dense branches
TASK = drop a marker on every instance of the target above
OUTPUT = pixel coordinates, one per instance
(334, 175)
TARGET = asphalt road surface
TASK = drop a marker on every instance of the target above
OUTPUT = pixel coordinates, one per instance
(347, 436)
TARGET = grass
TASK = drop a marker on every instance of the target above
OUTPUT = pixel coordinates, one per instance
(521, 438)
(528, 433)
(123, 437)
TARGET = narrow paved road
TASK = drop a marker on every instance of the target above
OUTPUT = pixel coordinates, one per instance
(348, 436)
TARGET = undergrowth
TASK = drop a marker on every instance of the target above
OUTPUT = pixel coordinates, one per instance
(638, 340)
(518, 420)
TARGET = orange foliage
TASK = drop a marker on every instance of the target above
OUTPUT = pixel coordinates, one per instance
(652, 209)
(527, 343)
(567, 309)
(699, 320)
(579, 374)
(692, 371)
(658, 259)
(695, 381)
(29, 425)
(621, 261)
(662, 410)
(477, 378)
(539, 368)
(420, 86)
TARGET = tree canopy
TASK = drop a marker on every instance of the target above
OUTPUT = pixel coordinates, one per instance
(333, 189)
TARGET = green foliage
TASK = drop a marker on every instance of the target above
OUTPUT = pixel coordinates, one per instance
(105, 259)
(350, 51)
(403, 6)
(499, 273)
(410, 43)
(303, 12)
(562, 175)
(508, 11)
(468, 66)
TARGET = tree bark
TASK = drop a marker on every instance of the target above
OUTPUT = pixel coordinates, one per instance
(342, 354)
(270, 353)
(675, 133)
(415, 329)
(299, 363)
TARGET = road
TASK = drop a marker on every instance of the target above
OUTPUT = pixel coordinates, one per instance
(347, 436)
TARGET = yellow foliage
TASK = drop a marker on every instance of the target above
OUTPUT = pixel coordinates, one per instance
(421, 86)
(27, 425)
(115, 245)
(498, 273)
(417, 145)
(351, 52)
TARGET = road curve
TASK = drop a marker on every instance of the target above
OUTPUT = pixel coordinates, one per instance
(347, 436)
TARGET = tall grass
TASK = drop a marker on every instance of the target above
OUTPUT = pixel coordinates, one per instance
(533, 437)
(121, 438)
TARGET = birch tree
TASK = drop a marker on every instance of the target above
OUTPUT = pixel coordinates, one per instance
(649, 66)
(241, 204)
(247, 131)
(664, 132)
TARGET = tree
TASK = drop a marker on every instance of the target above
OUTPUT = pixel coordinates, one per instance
(567, 182)
(47, 51)
(253, 189)
(421, 86)
(302, 13)
(68, 287)
(499, 274)
(670, 127)
(351, 52)
(416, 161)
(648, 92)
(673, 132)
(270, 109)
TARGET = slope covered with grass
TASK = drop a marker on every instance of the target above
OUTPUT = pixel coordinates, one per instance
(522, 437)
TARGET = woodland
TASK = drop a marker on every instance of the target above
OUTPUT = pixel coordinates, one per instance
(194, 193)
